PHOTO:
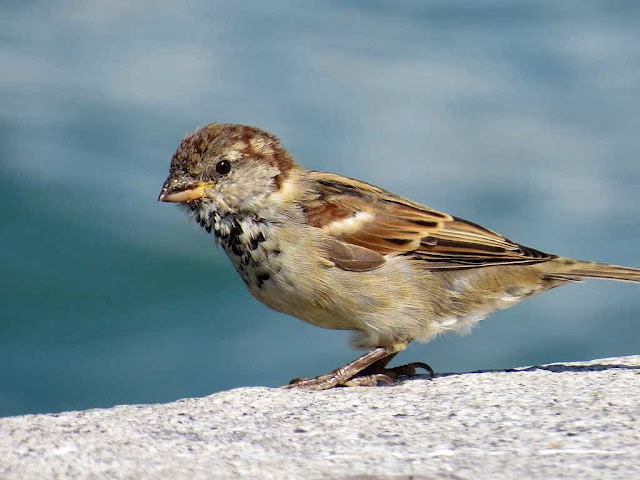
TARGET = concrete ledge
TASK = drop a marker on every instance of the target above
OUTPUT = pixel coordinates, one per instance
(573, 420)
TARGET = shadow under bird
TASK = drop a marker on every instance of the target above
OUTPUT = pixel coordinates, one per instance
(343, 254)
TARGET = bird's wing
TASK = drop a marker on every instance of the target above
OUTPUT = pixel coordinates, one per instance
(374, 220)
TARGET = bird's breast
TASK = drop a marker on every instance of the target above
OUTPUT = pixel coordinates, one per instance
(279, 269)
(248, 245)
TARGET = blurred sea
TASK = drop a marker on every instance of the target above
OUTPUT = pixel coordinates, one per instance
(520, 116)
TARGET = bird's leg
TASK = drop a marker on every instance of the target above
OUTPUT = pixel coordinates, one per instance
(367, 370)
(379, 371)
(343, 374)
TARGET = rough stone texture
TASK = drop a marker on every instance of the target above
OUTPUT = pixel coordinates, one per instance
(573, 420)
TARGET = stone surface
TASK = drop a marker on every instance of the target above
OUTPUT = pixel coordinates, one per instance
(556, 421)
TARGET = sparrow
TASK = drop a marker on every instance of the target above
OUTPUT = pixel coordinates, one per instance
(340, 253)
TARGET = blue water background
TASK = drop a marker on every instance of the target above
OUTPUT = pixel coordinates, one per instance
(521, 116)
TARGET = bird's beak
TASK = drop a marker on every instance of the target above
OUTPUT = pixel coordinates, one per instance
(180, 194)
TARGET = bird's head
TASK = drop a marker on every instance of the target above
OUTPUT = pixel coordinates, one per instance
(227, 169)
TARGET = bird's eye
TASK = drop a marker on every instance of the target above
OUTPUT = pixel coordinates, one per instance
(223, 167)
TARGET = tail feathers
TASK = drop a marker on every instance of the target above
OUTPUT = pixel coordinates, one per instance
(576, 270)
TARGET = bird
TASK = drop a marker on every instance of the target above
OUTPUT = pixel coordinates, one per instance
(343, 254)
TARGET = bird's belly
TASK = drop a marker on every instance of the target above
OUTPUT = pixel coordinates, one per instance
(380, 306)
(294, 289)
(288, 292)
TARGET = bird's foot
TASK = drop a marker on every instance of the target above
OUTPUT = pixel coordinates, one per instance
(366, 371)
(408, 370)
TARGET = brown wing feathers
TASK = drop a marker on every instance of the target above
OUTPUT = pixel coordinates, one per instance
(360, 214)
